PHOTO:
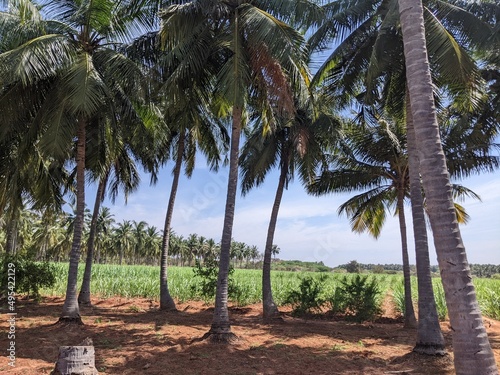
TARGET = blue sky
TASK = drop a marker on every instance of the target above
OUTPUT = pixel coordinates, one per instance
(308, 227)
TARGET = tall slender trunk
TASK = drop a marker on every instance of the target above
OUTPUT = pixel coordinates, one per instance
(11, 240)
(98, 255)
(71, 310)
(166, 300)
(472, 350)
(269, 307)
(220, 330)
(410, 321)
(430, 339)
(84, 296)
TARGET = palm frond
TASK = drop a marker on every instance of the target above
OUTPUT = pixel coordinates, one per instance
(461, 193)
(37, 59)
(452, 66)
(367, 211)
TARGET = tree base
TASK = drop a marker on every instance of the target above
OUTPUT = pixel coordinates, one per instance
(76, 360)
(271, 312)
(221, 338)
(272, 316)
(430, 349)
(70, 320)
(169, 307)
(220, 334)
(84, 298)
(167, 303)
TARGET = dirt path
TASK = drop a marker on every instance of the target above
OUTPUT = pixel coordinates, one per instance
(132, 337)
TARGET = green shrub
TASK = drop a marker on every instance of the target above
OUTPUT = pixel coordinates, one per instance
(336, 301)
(358, 297)
(29, 275)
(208, 273)
(308, 298)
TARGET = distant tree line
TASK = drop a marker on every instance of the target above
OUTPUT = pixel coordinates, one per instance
(298, 265)
(45, 236)
(479, 270)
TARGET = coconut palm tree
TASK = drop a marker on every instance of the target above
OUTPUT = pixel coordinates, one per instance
(48, 235)
(194, 131)
(372, 156)
(293, 146)
(120, 172)
(211, 250)
(253, 255)
(138, 234)
(105, 222)
(373, 54)
(177, 246)
(124, 240)
(28, 175)
(472, 350)
(152, 244)
(185, 103)
(80, 80)
(376, 158)
(29, 180)
(246, 52)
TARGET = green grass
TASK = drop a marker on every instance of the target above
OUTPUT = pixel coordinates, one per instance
(488, 295)
(143, 281)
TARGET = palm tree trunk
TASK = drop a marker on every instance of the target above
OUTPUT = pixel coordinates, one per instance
(410, 321)
(220, 330)
(166, 300)
(10, 246)
(472, 350)
(71, 311)
(98, 255)
(84, 296)
(430, 339)
(270, 310)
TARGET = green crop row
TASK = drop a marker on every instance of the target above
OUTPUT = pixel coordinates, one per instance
(143, 281)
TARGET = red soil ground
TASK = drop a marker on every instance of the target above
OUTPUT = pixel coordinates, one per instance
(131, 336)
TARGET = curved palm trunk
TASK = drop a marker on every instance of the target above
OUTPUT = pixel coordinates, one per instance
(166, 300)
(269, 307)
(472, 350)
(84, 296)
(71, 311)
(430, 339)
(220, 330)
(410, 321)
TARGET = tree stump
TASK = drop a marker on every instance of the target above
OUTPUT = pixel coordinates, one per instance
(76, 360)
